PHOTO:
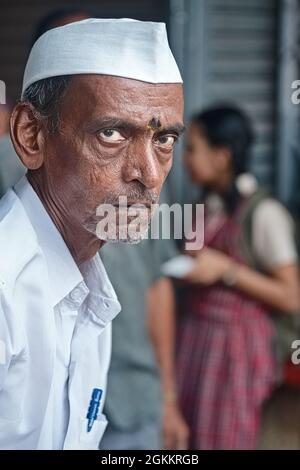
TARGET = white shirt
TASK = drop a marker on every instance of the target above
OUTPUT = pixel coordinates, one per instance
(77, 334)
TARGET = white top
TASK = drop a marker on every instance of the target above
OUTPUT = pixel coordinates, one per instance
(59, 356)
(124, 47)
(273, 235)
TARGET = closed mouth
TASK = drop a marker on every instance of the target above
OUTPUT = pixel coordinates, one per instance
(136, 204)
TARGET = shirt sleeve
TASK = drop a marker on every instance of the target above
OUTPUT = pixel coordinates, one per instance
(273, 235)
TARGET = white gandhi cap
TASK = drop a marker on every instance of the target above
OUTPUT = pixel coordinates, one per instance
(121, 47)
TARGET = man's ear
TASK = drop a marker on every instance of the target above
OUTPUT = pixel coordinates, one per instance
(27, 135)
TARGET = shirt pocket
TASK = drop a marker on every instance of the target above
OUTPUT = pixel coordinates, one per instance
(91, 440)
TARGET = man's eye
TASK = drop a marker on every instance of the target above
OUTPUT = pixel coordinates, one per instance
(166, 141)
(111, 135)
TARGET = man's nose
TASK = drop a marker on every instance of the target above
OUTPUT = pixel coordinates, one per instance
(141, 164)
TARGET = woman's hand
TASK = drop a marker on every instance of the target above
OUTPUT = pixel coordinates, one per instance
(279, 289)
(211, 266)
(175, 430)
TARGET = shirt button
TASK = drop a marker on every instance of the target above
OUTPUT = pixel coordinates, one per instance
(106, 304)
(76, 295)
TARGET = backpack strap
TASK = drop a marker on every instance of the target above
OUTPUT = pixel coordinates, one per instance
(247, 227)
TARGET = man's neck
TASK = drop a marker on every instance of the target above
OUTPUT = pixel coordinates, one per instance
(82, 244)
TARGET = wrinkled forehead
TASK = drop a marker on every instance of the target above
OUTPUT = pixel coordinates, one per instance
(96, 96)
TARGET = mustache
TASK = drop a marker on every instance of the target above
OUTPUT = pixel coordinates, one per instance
(134, 195)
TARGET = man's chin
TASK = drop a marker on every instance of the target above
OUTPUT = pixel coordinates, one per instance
(123, 235)
(127, 241)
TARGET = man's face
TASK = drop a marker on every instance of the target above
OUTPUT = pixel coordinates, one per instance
(116, 138)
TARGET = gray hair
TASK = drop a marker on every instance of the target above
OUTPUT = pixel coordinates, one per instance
(45, 96)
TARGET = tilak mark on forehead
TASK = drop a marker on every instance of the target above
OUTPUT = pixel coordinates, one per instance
(154, 124)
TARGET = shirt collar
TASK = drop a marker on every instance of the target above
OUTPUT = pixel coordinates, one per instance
(102, 300)
(66, 280)
(64, 274)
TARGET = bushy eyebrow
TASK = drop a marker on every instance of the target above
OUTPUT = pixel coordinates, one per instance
(116, 123)
(177, 128)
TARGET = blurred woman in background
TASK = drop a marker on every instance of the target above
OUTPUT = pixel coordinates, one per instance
(226, 364)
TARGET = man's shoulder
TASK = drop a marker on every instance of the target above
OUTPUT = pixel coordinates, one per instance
(18, 242)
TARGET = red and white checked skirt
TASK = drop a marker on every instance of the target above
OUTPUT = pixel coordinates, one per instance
(225, 367)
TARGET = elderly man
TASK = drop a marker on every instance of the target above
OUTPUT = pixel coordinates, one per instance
(101, 110)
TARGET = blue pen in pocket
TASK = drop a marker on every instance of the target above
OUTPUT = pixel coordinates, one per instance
(93, 408)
